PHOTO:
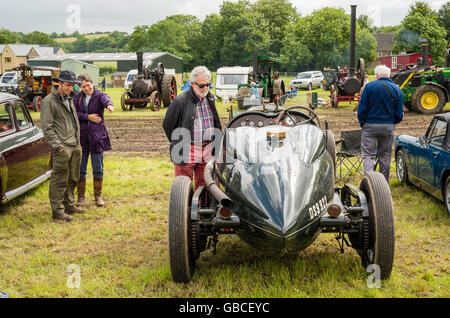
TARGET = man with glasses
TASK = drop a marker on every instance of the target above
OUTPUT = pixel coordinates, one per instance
(191, 124)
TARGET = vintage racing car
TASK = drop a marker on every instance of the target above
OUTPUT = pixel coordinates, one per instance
(272, 183)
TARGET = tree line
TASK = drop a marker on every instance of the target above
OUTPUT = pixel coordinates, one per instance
(270, 27)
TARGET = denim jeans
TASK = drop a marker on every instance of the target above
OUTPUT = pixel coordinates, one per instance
(96, 162)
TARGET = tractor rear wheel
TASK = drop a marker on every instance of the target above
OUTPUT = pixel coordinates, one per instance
(428, 99)
(181, 256)
(378, 230)
(168, 89)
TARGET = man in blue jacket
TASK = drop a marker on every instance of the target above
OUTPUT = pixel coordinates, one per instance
(380, 108)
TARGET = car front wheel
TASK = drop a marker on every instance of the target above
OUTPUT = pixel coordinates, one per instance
(447, 195)
(400, 167)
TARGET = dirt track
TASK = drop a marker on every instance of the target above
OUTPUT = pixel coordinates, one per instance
(145, 137)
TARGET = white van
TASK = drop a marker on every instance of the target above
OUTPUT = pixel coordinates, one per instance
(130, 77)
(132, 74)
(228, 78)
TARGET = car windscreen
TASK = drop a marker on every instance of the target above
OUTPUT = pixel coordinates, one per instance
(131, 77)
(300, 76)
(229, 79)
(7, 78)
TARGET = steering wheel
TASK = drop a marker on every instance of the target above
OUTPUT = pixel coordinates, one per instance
(285, 112)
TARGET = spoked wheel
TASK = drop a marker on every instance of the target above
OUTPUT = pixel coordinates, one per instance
(168, 89)
(181, 256)
(125, 107)
(400, 167)
(333, 96)
(378, 230)
(155, 101)
(447, 195)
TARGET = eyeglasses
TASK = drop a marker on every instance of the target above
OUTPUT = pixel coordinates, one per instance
(202, 85)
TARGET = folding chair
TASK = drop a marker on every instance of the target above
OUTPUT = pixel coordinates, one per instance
(349, 150)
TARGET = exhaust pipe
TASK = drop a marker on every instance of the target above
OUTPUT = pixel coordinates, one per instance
(215, 191)
(424, 52)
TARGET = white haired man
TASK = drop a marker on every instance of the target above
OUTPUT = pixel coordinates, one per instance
(380, 108)
(190, 124)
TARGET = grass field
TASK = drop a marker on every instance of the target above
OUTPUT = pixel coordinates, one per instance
(121, 250)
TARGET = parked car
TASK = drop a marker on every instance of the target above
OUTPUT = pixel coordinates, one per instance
(25, 157)
(425, 161)
(8, 82)
(308, 80)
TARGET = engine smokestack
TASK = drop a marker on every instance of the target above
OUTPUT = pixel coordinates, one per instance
(352, 40)
(140, 62)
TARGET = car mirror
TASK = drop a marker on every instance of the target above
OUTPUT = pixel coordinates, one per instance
(422, 140)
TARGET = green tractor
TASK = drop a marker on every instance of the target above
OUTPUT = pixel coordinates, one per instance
(262, 74)
(426, 90)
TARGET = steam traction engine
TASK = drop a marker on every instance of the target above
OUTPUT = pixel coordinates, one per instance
(151, 86)
(348, 83)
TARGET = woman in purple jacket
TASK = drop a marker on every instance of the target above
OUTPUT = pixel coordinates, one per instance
(90, 104)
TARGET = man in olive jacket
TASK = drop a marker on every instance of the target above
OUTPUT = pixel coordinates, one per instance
(59, 123)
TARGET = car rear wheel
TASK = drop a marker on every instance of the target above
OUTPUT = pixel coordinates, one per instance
(181, 256)
(378, 229)
(400, 167)
(447, 195)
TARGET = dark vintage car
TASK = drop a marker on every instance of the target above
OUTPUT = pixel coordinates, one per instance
(425, 161)
(272, 183)
(25, 157)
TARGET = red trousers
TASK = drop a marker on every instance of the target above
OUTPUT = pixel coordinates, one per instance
(199, 157)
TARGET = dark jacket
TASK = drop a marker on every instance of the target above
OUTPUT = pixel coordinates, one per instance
(93, 136)
(59, 124)
(181, 114)
(376, 105)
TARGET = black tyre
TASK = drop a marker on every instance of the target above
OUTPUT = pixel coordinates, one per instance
(181, 256)
(378, 230)
(168, 89)
(400, 167)
(446, 195)
(428, 99)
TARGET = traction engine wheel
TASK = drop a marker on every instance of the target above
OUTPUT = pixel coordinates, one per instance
(37, 101)
(125, 107)
(168, 89)
(155, 101)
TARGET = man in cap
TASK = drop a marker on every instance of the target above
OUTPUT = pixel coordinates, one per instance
(59, 122)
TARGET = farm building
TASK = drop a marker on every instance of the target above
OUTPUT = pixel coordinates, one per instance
(125, 61)
(400, 62)
(79, 67)
(12, 55)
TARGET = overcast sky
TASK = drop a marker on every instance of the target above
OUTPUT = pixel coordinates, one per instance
(94, 15)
